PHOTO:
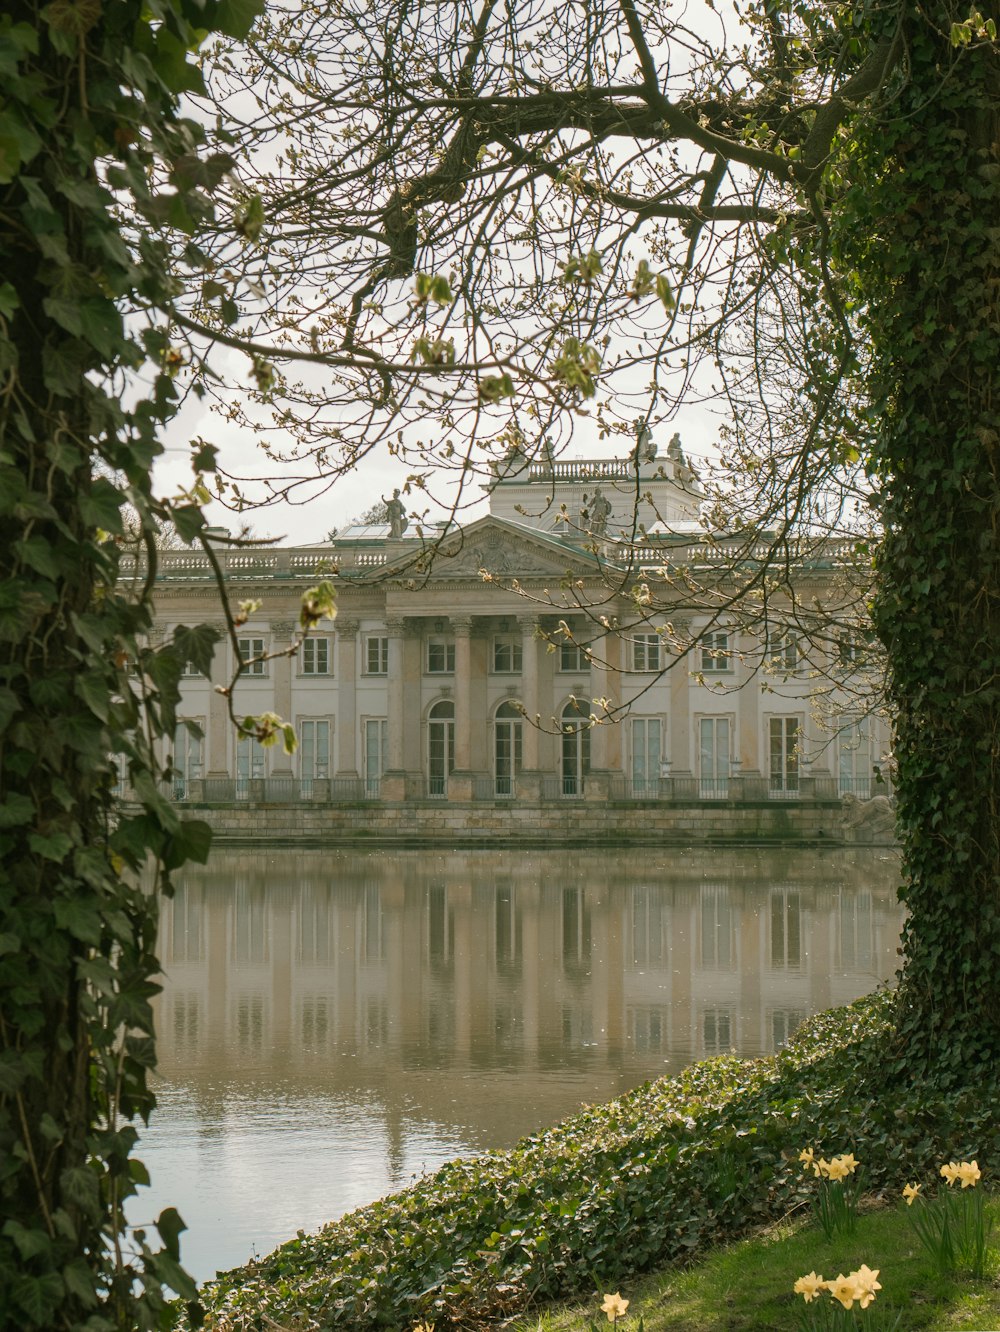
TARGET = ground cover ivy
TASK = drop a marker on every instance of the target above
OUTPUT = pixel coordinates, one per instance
(650, 1178)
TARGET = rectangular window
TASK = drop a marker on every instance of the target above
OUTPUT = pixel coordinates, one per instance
(645, 756)
(717, 929)
(646, 652)
(855, 763)
(713, 758)
(251, 764)
(188, 756)
(786, 930)
(316, 656)
(376, 655)
(376, 753)
(715, 654)
(440, 656)
(717, 1031)
(314, 749)
(783, 735)
(574, 657)
(506, 656)
(782, 652)
(251, 654)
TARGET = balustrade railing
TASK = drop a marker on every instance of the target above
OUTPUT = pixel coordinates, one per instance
(348, 790)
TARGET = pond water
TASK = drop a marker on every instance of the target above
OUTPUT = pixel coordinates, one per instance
(332, 1025)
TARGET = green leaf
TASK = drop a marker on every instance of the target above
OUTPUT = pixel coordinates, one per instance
(196, 645)
(29, 1243)
(80, 1282)
(39, 1297)
(55, 847)
(81, 918)
(188, 520)
(249, 218)
(9, 301)
(191, 841)
(9, 705)
(16, 810)
(236, 17)
(170, 1226)
(101, 507)
(93, 689)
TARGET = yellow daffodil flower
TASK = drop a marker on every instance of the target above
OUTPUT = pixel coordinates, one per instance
(950, 1172)
(809, 1287)
(822, 1168)
(910, 1194)
(614, 1306)
(844, 1289)
(866, 1283)
(848, 1161)
(837, 1168)
(969, 1173)
(807, 1156)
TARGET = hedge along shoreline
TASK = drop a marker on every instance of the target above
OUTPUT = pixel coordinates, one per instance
(650, 1178)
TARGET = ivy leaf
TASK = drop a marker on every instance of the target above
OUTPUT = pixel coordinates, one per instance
(80, 1282)
(8, 300)
(39, 1297)
(9, 705)
(55, 847)
(16, 811)
(188, 520)
(29, 1243)
(197, 645)
(191, 841)
(82, 920)
(18, 144)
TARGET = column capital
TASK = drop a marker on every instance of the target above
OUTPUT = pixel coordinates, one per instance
(461, 624)
(346, 627)
(283, 628)
(396, 625)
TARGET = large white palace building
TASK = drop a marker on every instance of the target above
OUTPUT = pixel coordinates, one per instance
(467, 665)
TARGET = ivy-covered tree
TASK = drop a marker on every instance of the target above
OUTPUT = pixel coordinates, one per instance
(488, 219)
(90, 133)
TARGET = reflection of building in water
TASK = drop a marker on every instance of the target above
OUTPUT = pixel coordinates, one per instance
(340, 969)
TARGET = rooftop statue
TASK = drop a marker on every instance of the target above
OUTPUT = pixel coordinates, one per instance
(595, 519)
(397, 515)
(645, 445)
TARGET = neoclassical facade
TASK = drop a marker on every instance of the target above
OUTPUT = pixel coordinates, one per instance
(531, 655)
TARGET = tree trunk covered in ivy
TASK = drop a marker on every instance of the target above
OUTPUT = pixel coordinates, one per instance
(922, 227)
(90, 95)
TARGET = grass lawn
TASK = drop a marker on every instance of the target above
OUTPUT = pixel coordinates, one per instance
(747, 1286)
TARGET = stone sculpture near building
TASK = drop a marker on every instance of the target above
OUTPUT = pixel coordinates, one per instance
(597, 514)
(397, 515)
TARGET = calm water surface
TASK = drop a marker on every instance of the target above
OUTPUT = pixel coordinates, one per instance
(333, 1025)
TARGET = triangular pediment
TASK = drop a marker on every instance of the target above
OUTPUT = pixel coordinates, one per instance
(501, 548)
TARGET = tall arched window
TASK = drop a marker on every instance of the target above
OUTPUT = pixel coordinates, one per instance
(507, 747)
(575, 747)
(440, 746)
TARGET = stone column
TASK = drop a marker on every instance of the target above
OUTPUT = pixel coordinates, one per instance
(412, 645)
(747, 742)
(282, 636)
(347, 709)
(217, 740)
(394, 778)
(597, 783)
(680, 709)
(529, 779)
(460, 780)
